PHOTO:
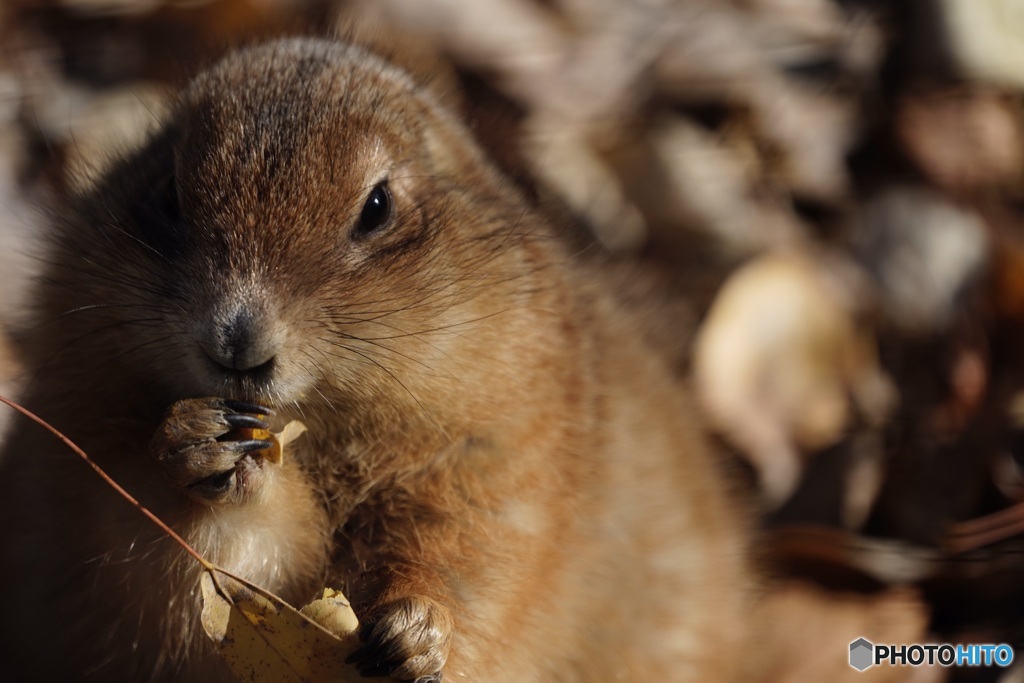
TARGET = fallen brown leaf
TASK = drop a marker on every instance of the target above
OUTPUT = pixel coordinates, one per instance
(266, 640)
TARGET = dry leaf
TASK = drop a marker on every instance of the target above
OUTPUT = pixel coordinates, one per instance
(291, 431)
(333, 611)
(782, 363)
(964, 139)
(278, 440)
(982, 37)
(925, 252)
(266, 640)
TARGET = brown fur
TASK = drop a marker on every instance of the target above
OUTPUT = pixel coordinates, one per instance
(495, 456)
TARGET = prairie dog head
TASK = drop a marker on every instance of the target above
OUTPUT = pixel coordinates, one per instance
(309, 227)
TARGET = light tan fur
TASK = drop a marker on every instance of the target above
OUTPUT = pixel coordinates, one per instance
(495, 454)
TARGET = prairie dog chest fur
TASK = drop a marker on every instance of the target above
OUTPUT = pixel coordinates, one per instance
(500, 473)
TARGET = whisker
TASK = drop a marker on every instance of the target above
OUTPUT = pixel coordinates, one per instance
(394, 377)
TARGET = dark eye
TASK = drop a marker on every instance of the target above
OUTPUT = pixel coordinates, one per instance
(377, 210)
(157, 213)
(164, 199)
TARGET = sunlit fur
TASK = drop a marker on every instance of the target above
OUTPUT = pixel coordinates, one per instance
(487, 426)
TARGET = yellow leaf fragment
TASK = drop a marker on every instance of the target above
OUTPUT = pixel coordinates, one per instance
(266, 640)
(291, 431)
(333, 611)
(278, 440)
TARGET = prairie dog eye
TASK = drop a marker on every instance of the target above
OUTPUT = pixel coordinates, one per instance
(377, 211)
(157, 213)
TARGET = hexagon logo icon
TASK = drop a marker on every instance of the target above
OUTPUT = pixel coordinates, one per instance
(862, 653)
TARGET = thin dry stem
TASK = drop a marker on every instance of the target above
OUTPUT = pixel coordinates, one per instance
(110, 482)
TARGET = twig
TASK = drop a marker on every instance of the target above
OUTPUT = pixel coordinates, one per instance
(110, 481)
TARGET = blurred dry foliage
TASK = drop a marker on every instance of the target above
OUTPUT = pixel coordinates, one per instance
(835, 186)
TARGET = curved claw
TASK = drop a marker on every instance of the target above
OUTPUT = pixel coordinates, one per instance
(246, 407)
(241, 420)
(250, 445)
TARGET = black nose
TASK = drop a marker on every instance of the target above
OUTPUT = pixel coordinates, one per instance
(242, 343)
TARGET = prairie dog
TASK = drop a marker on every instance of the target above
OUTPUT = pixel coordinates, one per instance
(499, 472)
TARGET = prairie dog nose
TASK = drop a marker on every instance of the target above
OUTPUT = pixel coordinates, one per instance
(240, 341)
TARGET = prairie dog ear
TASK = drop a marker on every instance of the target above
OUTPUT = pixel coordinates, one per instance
(454, 151)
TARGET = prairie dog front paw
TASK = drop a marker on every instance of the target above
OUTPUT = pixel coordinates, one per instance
(205, 446)
(408, 639)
